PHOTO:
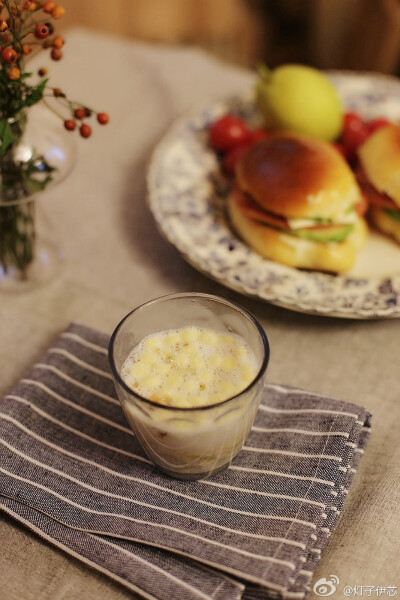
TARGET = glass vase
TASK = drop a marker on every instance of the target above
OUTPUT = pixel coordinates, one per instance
(39, 155)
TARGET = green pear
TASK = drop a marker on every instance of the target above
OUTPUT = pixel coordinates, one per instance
(301, 99)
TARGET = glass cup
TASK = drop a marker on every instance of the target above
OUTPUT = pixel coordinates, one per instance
(190, 443)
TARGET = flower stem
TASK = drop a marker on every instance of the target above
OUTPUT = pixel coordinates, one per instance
(17, 236)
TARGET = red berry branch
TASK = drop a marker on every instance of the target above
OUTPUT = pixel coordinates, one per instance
(27, 27)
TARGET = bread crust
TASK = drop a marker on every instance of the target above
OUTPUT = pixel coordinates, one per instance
(380, 159)
(384, 222)
(282, 247)
(298, 177)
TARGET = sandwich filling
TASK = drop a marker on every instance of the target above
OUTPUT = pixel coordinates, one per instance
(314, 229)
(376, 198)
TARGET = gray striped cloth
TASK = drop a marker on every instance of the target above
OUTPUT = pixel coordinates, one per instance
(72, 471)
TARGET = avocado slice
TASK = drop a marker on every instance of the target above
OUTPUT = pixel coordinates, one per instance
(333, 233)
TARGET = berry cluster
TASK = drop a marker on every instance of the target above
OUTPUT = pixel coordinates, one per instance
(229, 136)
(24, 27)
(27, 26)
(80, 113)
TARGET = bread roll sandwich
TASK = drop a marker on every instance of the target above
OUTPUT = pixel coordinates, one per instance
(379, 178)
(295, 201)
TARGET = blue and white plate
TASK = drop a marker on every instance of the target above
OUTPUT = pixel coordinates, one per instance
(187, 195)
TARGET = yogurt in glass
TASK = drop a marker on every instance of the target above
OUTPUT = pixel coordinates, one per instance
(190, 391)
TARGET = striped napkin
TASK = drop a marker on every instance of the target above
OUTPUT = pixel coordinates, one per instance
(72, 471)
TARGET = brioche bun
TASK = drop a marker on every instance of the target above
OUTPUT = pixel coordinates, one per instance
(287, 249)
(380, 159)
(298, 177)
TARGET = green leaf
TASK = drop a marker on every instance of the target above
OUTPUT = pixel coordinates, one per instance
(393, 214)
(25, 76)
(35, 94)
(6, 135)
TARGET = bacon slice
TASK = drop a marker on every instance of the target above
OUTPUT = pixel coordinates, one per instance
(251, 209)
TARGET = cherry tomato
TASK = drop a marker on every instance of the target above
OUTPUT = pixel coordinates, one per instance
(230, 159)
(355, 132)
(352, 121)
(256, 135)
(227, 132)
(376, 124)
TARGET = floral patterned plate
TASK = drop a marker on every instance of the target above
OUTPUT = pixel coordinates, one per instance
(187, 195)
